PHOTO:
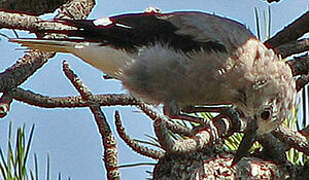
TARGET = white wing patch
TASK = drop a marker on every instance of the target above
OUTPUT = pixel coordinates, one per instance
(105, 21)
(122, 25)
(152, 10)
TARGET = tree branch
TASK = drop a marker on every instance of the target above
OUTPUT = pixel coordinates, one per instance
(35, 7)
(299, 65)
(5, 103)
(291, 32)
(32, 61)
(293, 47)
(202, 137)
(23, 69)
(273, 149)
(35, 99)
(135, 146)
(216, 165)
(292, 139)
(109, 141)
(33, 24)
(302, 81)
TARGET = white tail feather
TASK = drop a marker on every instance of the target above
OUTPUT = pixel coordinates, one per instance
(105, 58)
(46, 45)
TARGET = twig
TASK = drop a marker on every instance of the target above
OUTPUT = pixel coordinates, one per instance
(178, 129)
(134, 145)
(136, 164)
(109, 141)
(39, 100)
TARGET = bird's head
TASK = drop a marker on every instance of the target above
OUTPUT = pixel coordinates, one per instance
(268, 92)
(270, 102)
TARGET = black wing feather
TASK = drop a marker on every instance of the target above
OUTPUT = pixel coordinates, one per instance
(145, 29)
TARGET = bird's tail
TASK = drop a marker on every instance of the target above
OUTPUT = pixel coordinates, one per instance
(105, 58)
(47, 44)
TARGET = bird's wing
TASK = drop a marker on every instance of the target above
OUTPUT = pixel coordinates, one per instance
(203, 27)
(185, 31)
(182, 31)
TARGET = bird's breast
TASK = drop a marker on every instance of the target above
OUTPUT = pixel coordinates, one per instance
(160, 74)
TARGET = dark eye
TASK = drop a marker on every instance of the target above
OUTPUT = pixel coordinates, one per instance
(266, 114)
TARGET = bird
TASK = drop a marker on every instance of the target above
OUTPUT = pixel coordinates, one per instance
(181, 59)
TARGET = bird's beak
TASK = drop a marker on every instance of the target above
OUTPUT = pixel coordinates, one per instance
(246, 141)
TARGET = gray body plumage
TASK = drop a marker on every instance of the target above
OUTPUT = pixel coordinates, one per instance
(158, 73)
(243, 73)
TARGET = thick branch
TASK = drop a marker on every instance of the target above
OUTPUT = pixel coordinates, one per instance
(14, 20)
(35, 7)
(216, 165)
(23, 69)
(299, 65)
(293, 47)
(290, 33)
(33, 24)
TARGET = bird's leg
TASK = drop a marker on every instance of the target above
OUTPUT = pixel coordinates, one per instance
(246, 141)
(249, 136)
(171, 110)
(194, 109)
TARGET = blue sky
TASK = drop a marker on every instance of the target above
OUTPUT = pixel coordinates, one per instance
(70, 136)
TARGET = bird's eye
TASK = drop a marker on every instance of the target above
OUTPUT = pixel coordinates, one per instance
(266, 114)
